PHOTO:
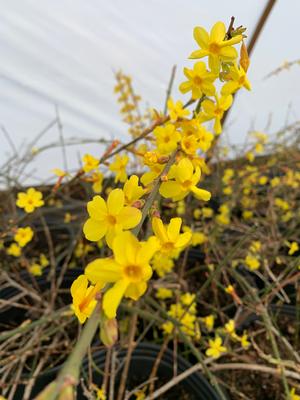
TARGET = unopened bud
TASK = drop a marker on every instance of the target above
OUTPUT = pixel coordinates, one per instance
(138, 204)
(163, 159)
(108, 331)
(67, 393)
(155, 214)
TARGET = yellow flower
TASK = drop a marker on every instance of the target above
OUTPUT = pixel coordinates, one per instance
(252, 262)
(109, 218)
(44, 260)
(176, 110)
(83, 297)
(167, 138)
(23, 236)
(132, 190)
(128, 270)
(230, 327)
(162, 264)
(216, 349)
(97, 179)
(293, 248)
(215, 110)
(199, 82)
(164, 293)
(36, 269)
(214, 46)
(169, 237)
(207, 212)
(185, 182)
(150, 176)
(119, 167)
(209, 322)
(14, 250)
(30, 200)
(245, 342)
(59, 172)
(89, 163)
(237, 79)
(101, 394)
(293, 394)
(247, 214)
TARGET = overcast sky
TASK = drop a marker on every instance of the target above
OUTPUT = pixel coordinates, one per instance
(64, 52)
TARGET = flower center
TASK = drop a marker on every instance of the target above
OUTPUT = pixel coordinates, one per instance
(214, 48)
(111, 220)
(186, 184)
(168, 246)
(166, 139)
(218, 111)
(197, 80)
(133, 272)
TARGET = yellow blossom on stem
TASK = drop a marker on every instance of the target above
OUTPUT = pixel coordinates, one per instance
(164, 293)
(169, 237)
(128, 270)
(200, 81)
(252, 262)
(176, 110)
(215, 110)
(185, 181)
(30, 200)
(237, 79)
(109, 218)
(97, 179)
(293, 394)
(209, 322)
(244, 341)
(162, 264)
(149, 176)
(83, 297)
(119, 167)
(293, 248)
(216, 348)
(14, 250)
(89, 163)
(167, 138)
(132, 190)
(23, 236)
(36, 269)
(215, 46)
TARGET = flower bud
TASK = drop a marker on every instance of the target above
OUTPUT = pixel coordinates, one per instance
(108, 331)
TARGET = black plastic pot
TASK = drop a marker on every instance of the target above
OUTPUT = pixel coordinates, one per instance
(194, 387)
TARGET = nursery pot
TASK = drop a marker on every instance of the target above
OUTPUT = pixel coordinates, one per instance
(194, 387)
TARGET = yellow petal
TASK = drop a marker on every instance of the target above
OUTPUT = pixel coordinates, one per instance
(125, 248)
(147, 250)
(97, 208)
(201, 194)
(112, 298)
(103, 270)
(201, 36)
(174, 229)
(136, 290)
(183, 239)
(198, 54)
(79, 287)
(159, 229)
(115, 201)
(129, 217)
(169, 189)
(229, 53)
(94, 230)
(218, 32)
(184, 170)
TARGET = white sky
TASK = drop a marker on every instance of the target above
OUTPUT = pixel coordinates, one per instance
(64, 52)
